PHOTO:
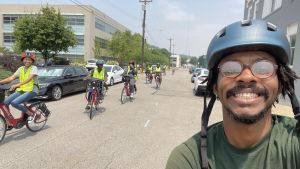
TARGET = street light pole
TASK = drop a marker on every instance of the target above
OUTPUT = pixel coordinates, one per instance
(143, 33)
(170, 51)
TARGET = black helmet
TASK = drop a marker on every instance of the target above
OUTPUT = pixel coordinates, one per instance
(100, 62)
(249, 35)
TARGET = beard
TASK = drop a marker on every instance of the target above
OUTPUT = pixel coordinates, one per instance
(248, 119)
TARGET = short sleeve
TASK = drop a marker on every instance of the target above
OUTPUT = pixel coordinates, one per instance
(34, 70)
(181, 158)
(17, 72)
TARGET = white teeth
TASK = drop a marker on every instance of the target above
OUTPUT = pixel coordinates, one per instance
(246, 95)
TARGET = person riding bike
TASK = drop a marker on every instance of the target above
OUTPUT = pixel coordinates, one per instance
(27, 87)
(98, 73)
(132, 72)
(248, 64)
(158, 72)
(149, 71)
(164, 68)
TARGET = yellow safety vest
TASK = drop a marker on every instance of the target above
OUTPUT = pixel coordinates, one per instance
(150, 68)
(28, 87)
(99, 75)
(134, 76)
(157, 69)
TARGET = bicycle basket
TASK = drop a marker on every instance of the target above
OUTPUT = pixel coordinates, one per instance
(2, 95)
(43, 108)
(125, 78)
(94, 83)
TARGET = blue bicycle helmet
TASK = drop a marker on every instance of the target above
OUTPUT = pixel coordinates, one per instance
(100, 62)
(249, 35)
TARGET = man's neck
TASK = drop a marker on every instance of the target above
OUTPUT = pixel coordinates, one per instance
(244, 135)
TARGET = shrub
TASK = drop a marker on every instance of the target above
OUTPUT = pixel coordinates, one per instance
(11, 63)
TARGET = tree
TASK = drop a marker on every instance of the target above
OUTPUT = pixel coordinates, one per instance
(124, 46)
(44, 32)
(194, 60)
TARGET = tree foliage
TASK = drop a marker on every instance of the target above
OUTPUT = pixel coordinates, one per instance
(125, 46)
(44, 32)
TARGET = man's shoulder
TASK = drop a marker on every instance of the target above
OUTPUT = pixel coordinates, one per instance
(187, 154)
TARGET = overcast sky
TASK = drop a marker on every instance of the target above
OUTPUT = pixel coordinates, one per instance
(190, 23)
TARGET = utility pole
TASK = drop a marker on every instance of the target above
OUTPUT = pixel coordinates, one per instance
(170, 51)
(143, 33)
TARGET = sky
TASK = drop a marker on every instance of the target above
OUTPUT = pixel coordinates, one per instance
(191, 24)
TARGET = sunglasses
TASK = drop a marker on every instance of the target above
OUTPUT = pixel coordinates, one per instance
(261, 69)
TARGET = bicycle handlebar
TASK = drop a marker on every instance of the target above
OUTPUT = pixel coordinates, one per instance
(5, 87)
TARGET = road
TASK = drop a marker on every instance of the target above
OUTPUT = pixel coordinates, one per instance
(136, 135)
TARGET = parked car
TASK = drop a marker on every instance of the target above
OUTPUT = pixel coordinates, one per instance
(198, 86)
(114, 73)
(195, 74)
(91, 64)
(56, 81)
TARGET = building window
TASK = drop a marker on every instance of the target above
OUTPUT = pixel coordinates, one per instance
(10, 18)
(292, 35)
(74, 19)
(80, 39)
(103, 43)
(270, 6)
(104, 26)
(8, 38)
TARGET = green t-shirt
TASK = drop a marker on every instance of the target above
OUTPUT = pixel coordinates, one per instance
(280, 149)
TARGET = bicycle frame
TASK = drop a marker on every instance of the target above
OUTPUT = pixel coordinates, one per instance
(126, 87)
(10, 118)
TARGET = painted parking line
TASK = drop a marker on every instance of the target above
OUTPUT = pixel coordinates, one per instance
(146, 124)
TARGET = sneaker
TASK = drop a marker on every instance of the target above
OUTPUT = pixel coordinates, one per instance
(131, 95)
(87, 107)
(30, 119)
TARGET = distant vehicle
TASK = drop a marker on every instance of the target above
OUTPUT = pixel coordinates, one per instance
(91, 64)
(191, 70)
(195, 73)
(114, 73)
(56, 81)
(198, 86)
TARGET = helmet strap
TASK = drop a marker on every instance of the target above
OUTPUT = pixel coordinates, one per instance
(296, 108)
(203, 134)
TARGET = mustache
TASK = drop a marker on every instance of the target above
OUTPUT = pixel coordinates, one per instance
(251, 87)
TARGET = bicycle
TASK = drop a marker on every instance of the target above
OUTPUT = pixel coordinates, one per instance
(125, 94)
(157, 80)
(8, 122)
(149, 77)
(96, 97)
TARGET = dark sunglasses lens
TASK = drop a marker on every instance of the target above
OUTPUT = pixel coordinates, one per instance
(231, 68)
(262, 69)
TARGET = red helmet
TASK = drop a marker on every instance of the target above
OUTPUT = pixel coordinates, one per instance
(30, 55)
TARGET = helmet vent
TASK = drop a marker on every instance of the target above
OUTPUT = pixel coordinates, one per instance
(245, 22)
(221, 33)
(271, 27)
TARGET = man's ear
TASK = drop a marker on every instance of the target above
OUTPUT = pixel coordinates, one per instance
(215, 90)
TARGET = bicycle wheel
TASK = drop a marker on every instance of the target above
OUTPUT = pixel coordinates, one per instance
(92, 105)
(40, 122)
(3, 127)
(123, 95)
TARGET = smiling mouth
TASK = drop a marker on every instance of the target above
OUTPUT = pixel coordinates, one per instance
(246, 95)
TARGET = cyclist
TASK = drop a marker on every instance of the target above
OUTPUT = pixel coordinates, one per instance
(98, 73)
(164, 68)
(248, 69)
(27, 87)
(158, 72)
(132, 72)
(149, 72)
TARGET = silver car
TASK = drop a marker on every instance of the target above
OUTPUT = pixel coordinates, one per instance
(199, 87)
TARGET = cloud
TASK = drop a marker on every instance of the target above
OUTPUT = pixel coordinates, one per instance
(173, 11)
